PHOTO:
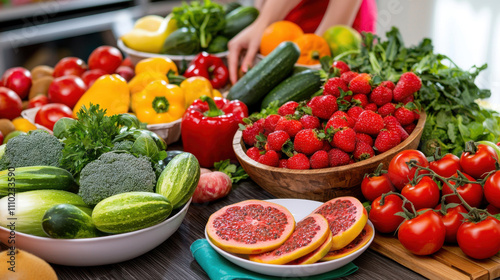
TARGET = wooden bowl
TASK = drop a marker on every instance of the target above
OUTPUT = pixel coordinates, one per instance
(319, 184)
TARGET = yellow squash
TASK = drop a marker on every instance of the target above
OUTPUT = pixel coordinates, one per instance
(142, 38)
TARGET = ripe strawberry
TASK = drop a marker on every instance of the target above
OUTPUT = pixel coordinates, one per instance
(251, 131)
(332, 87)
(386, 140)
(372, 107)
(391, 123)
(323, 106)
(365, 138)
(409, 128)
(326, 146)
(342, 66)
(270, 123)
(298, 161)
(345, 139)
(253, 153)
(276, 140)
(348, 76)
(337, 157)
(282, 163)
(360, 100)
(369, 122)
(363, 151)
(408, 99)
(307, 142)
(361, 84)
(289, 126)
(388, 84)
(354, 112)
(404, 116)
(270, 158)
(319, 160)
(387, 109)
(309, 121)
(336, 124)
(345, 116)
(381, 95)
(288, 108)
(408, 84)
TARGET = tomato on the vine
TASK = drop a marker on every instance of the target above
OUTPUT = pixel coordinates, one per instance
(383, 216)
(446, 166)
(424, 194)
(398, 170)
(424, 234)
(49, 114)
(478, 160)
(479, 240)
(492, 189)
(471, 193)
(376, 184)
(452, 220)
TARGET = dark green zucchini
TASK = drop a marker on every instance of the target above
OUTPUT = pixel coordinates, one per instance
(183, 41)
(231, 6)
(238, 19)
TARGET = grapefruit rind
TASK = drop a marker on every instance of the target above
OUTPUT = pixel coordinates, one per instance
(315, 255)
(360, 241)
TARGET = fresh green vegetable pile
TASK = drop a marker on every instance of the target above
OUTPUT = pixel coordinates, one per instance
(448, 94)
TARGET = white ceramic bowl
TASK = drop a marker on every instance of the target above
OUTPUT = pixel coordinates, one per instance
(99, 250)
(299, 208)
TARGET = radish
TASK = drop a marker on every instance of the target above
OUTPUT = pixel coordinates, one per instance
(212, 186)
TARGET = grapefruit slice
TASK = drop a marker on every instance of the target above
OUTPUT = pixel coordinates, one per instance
(317, 254)
(358, 242)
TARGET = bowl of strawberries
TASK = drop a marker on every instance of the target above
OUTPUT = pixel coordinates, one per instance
(321, 148)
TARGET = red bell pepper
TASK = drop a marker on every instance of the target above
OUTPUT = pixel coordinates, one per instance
(208, 127)
(210, 67)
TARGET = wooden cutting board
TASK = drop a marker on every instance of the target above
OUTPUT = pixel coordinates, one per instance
(448, 263)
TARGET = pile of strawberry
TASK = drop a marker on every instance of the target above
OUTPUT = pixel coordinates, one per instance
(354, 119)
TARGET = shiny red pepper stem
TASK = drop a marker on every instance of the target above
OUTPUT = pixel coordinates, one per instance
(213, 110)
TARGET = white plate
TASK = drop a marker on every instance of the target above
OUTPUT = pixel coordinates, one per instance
(99, 250)
(299, 209)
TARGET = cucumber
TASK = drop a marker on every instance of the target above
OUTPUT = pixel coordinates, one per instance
(231, 6)
(267, 74)
(179, 179)
(238, 20)
(183, 41)
(36, 178)
(130, 211)
(66, 221)
(298, 87)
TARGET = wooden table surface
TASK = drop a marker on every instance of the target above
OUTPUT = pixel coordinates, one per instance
(173, 259)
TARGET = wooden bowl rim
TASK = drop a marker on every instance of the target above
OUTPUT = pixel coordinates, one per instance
(238, 149)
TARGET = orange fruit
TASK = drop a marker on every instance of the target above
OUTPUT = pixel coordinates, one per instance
(23, 124)
(27, 266)
(312, 48)
(277, 33)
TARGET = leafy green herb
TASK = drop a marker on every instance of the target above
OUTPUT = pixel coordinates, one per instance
(236, 173)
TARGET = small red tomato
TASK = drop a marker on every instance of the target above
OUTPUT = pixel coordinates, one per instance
(38, 101)
(69, 66)
(398, 170)
(492, 209)
(492, 189)
(67, 90)
(126, 72)
(127, 62)
(452, 220)
(479, 163)
(17, 79)
(471, 193)
(424, 234)
(11, 104)
(90, 76)
(479, 240)
(106, 58)
(446, 166)
(374, 186)
(383, 216)
(424, 194)
(49, 114)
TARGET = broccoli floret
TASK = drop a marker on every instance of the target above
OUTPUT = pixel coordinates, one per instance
(113, 173)
(38, 147)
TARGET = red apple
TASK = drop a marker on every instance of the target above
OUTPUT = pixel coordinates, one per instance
(10, 104)
(17, 79)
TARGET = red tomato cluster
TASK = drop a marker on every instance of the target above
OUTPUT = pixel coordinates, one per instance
(454, 213)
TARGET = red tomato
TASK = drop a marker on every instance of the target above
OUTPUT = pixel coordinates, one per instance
(17, 79)
(90, 76)
(424, 194)
(492, 189)
(446, 166)
(471, 193)
(452, 220)
(382, 216)
(127, 62)
(49, 114)
(492, 209)
(424, 234)
(126, 72)
(69, 66)
(66, 90)
(106, 58)
(11, 104)
(481, 162)
(38, 101)
(398, 171)
(480, 240)
(374, 186)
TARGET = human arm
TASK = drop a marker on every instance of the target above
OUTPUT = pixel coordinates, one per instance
(339, 12)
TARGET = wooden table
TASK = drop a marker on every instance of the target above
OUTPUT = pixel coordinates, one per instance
(172, 260)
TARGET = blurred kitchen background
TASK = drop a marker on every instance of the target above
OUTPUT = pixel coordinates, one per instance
(41, 32)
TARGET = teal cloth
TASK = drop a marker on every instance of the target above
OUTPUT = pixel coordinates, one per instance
(217, 267)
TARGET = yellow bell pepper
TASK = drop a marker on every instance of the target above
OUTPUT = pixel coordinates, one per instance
(195, 87)
(159, 102)
(140, 81)
(216, 93)
(156, 64)
(110, 92)
(143, 39)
